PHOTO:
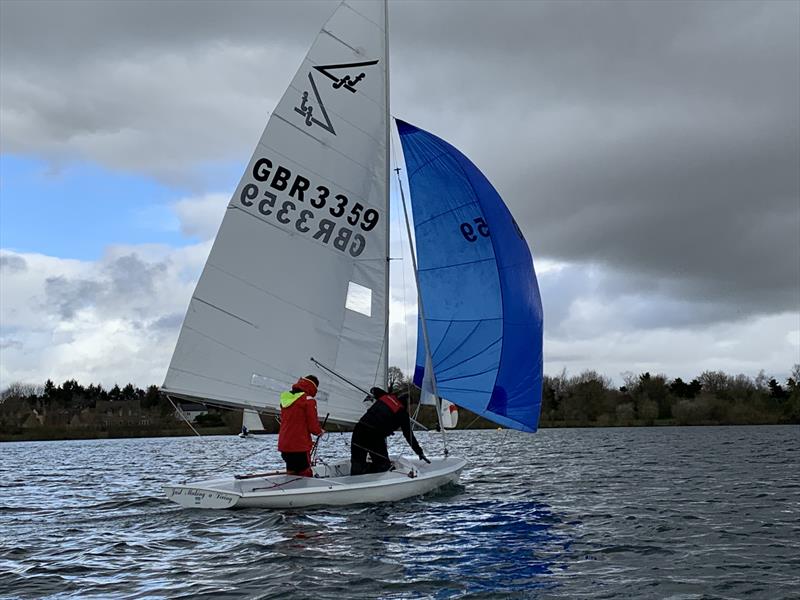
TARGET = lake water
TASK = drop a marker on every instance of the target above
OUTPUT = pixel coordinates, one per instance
(695, 512)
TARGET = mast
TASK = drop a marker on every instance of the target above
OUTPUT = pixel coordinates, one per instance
(428, 356)
(388, 182)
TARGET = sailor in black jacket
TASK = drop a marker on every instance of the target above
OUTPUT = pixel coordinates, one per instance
(386, 414)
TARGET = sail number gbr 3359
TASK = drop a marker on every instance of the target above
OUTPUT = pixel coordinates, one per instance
(315, 210)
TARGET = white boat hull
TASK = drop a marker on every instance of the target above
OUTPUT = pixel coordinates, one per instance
(331, 485)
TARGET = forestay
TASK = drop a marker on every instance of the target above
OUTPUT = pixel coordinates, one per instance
(478, 286)
(299, 266)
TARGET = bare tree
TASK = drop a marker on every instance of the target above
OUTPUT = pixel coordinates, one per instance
(396, 378)
(19, 389)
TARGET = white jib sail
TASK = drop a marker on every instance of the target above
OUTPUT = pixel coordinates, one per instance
(299, 265)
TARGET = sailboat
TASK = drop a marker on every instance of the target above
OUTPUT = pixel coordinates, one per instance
(251, 424)
(448, 412)
(297, 280)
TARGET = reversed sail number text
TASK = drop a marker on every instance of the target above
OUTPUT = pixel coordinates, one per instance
(322, 200)
(468, 231)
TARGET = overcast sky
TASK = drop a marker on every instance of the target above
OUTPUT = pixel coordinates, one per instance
(650, 152)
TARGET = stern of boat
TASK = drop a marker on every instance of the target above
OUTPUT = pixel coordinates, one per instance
(190, 496)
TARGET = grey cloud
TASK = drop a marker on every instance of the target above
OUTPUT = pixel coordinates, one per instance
(168, 322)
(637, 302)
(135, 116)
(559, 290)
(662, 139)
(13, 263)
(716, 208)
(130, 276)
(658, 140)
(62, 31)
(676, 301)
(123, 284)
(600, 52)
(12, 344)
(69, 296)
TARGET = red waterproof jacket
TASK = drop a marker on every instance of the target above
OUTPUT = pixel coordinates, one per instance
(298, 418)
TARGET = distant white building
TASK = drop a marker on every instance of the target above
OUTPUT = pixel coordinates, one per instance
(190, 411)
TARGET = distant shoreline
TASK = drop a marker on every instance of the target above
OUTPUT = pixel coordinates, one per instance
(72, 411)
(61, 436)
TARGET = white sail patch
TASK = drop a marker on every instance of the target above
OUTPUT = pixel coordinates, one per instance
(359, 299)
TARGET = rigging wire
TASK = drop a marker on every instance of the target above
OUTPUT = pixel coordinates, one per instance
(337, 375)
(183, 416)
(400, 237)
(237, 458)
(403, 241)
(226, 464)
(241, 459)
(473, 421)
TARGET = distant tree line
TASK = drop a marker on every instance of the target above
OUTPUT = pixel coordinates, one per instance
(711, 398)
(71, 410)
(71, 393)
(51, 411)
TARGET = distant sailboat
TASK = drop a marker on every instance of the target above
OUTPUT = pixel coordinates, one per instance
(448, 412)
(251, 423)
(448, 416)
(299, 268)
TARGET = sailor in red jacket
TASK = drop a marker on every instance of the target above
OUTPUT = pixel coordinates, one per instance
(298, 421)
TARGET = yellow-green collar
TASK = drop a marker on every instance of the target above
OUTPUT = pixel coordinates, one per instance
(288, 398)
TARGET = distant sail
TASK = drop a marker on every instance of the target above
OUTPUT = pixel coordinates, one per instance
(299, 266)
(482, 305)
(252, 420)
(448, 411)
(449, 414)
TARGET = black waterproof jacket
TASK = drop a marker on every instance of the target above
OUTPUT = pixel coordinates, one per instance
(381, 420)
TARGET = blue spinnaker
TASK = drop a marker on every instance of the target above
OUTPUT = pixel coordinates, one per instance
(478, 286)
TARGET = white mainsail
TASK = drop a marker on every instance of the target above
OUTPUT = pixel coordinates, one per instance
(299, 266)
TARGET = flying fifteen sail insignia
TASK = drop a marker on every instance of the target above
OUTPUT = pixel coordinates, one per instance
(306, 109)
(348, 81)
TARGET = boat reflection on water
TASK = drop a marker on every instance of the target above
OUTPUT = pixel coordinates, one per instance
(484, 546)
(441, 545)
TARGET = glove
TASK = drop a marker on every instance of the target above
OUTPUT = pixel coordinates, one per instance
(422, 456)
